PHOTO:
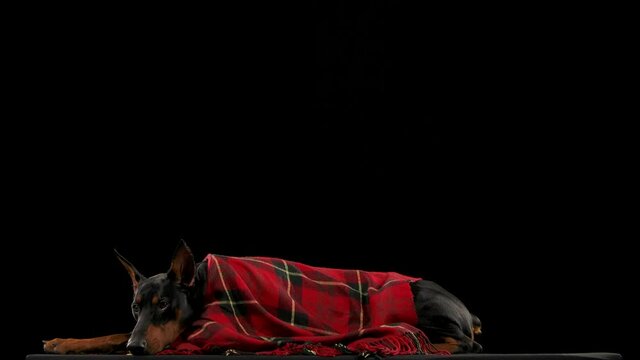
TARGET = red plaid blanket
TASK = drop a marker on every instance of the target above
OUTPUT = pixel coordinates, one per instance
(277, 307)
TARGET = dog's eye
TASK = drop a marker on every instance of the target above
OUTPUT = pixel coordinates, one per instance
(135, 308)
(163, 304)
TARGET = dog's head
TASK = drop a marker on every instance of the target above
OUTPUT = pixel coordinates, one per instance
(161, 303)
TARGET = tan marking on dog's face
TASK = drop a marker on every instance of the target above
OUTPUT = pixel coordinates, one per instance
(155, 299)
(159, 336)
(138, 299)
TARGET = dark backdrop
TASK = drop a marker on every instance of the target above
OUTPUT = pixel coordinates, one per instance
(481, 152)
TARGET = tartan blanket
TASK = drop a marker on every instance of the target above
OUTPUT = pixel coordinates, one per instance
(276, 307)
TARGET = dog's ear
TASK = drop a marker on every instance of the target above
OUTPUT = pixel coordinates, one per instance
(136, 277)
(182, 266)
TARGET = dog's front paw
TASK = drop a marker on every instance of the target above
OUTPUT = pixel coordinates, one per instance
(57, 345)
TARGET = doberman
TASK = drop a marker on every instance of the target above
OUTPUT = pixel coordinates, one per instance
(165, 304)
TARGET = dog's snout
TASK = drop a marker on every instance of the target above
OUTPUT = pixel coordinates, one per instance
(137, 347)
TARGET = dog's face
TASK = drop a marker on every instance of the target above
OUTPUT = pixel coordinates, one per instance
(160, 304)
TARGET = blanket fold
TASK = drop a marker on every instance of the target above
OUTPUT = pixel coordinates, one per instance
(276, 307)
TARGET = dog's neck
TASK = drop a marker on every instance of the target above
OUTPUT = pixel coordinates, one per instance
(196, 293)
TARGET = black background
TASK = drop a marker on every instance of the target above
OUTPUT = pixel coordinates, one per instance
(486, 152)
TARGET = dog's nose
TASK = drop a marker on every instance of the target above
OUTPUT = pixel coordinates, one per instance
(137, 347)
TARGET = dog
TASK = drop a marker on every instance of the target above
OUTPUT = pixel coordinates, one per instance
(166, 305)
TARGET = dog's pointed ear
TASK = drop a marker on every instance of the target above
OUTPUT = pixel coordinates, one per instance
(182, 266)
(135, 275)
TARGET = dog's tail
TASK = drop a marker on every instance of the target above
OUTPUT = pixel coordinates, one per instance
(477, 330)
(477, 325)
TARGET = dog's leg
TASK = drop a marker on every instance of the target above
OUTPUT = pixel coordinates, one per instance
(451, 345)
(456, 346)
(99, 345)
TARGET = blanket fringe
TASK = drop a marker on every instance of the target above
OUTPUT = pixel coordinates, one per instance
(303, 349)
(410, 343)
